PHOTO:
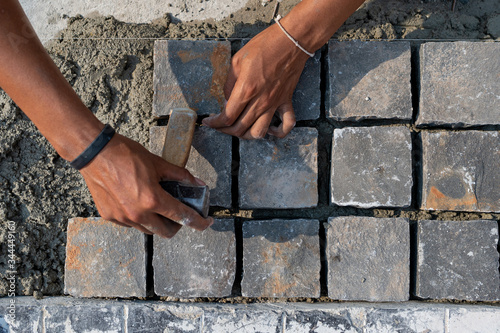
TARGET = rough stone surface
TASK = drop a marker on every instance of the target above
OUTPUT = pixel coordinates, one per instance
(368, 258)
(470, 319)
(371, 167)
(196, 264)
(402, 319)
(369, 80)
(280, 173)
(464, 91)
(15, 317)
(307, 95)
(104, 259)
(190, 74)
(243, 319)
(458, 260)
(460, 171)
(318, 321)
(209, 159)
(281, 258)
(161, 317)
(84, 318)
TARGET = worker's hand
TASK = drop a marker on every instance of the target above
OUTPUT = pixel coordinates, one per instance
(261, 81)
(124, 182)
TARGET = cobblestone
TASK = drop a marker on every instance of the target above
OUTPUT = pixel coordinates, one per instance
(196, 264)
(281, 258)
(307, 95)
(104, 259)
(209, 159)
(458, 260)
(460, 171)
(464, 91)
(280, 173)
(190, 74)
(368, 258)
(371, 167)
(369, 80)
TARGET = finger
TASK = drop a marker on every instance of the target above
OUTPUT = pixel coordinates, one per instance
(246, 120)
(168, 171)
(260, 127)
(288, 121)
(230, 82)
(120, 224)
(235, 106)
(161, 226)
(178, 212)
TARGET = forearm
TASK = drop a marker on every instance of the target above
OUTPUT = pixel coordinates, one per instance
(313, 22)
(33, 81)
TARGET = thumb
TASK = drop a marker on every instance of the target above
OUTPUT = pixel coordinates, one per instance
(169, 171)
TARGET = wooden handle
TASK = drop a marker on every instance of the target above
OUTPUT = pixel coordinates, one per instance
(180, 131)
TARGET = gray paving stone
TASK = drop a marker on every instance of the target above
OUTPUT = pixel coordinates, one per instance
(368, 258)
(306, 98)
(266, 319)
(104, 259)
(209, 159)
(371, 167)
(190, 74)
(83, 318)
(464, 91)
(196, 264)
(15, 317)
(369, 80)
(158, 317)
(458, 260)
(281, 258)
(280, 173)
(460, 171)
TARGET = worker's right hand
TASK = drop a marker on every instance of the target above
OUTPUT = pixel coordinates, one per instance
(124, 182)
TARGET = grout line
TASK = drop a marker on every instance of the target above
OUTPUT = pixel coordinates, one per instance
(238, 276)
(413, 229)
(323, 273)
(149, 266)
(125, 318)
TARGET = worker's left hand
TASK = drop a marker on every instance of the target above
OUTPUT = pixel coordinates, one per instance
(261, 81)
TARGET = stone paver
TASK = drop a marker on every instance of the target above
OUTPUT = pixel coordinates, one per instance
(460, 171)
(280, 173)
(209, 159)
(281, 258)
(196, 264)
(307, 95)
(459, 84)
(371, 167)
(243, 319)
(400, 319)
(104, 259)
(369, 80)
(458, 260)
(16, 317)
(368, 258)
(84, 318)
(161, 317)
(470, 319)
(190, 74)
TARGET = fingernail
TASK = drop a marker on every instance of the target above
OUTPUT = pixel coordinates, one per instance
(200, 182)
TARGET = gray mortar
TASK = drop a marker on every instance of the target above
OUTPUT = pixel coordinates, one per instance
(41, 192)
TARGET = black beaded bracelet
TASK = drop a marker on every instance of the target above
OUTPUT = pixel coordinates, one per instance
(94, 148)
